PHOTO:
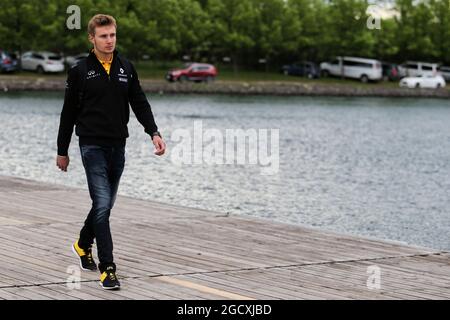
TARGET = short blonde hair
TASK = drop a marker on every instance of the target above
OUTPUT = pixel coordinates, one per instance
(100, 20)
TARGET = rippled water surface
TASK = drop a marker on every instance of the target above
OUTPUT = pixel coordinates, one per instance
(367, 166)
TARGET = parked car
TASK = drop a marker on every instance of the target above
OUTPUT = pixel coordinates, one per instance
(193, 72)
(416, 68)
(390, 71)
(7, 62)
(423, 81)
(42, 62)
(302, 69)
(445, 72)
(73, 60)
(353, 67)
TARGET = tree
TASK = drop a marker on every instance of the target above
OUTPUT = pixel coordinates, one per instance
(245, 30)
(278, 29)
(386, 45)
(440, 28)
(414, 29)
(313, 33)
(233, 33)
(18, 24)
(195, 26)
(347, 24)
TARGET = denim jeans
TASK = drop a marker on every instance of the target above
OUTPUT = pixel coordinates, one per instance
(104, 167)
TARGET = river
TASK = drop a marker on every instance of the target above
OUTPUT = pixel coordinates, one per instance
(374, 167)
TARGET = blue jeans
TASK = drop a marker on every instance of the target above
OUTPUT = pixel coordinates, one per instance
(104, 167)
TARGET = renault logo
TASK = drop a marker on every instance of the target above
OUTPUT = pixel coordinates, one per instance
(121, 70)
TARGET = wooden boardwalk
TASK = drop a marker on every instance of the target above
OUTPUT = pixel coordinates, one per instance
(169, 252)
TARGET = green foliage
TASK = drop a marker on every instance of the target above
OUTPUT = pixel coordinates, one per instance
(279, 31)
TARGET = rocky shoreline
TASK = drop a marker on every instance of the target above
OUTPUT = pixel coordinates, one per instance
(12, 83)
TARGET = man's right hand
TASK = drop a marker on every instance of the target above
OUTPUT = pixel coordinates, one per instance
(62, 162)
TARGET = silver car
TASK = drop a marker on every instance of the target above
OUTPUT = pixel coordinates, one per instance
(42, 62)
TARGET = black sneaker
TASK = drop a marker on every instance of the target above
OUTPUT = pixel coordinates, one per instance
(108, 279)
(87, 263)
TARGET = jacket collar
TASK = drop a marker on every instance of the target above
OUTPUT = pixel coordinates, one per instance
(93, 56)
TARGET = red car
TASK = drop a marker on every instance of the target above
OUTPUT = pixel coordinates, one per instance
(197, 72)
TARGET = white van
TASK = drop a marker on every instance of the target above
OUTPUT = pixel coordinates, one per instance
(353, 67)
(417, 68)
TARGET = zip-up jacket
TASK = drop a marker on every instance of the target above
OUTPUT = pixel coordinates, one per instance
(99, 105)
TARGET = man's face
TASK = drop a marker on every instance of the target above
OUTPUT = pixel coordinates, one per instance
(104, 39)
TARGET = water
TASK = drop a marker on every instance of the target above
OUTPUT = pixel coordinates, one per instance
(366, 166)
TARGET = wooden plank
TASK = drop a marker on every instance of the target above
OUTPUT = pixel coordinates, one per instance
(6, 295)
(202, 288)
(170, 252)
(215, 281)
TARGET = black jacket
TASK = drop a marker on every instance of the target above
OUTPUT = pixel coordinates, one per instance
(102, 117)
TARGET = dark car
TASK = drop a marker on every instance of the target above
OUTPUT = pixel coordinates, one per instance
(7, 62)
(445, 72)
(197, 72)
(73, 60)
(390, 71)
(302, 69)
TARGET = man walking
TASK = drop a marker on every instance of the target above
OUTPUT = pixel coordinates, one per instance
(99, 91)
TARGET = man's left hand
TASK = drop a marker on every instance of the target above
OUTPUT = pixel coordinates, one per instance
(159, 145)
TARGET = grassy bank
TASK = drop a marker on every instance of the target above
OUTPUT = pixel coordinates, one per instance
(156, 71)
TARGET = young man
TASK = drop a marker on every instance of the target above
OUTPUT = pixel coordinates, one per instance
(98, 93)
